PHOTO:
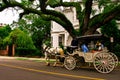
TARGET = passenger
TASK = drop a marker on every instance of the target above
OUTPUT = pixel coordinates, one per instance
(99, 46)
(84, 48)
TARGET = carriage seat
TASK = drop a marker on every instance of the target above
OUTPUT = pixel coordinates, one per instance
(70, 49)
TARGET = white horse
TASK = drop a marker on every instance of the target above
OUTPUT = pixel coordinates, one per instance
(57, 52)
(49, 52)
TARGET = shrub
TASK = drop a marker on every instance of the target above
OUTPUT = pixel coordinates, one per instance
(27, 52)
(116, 50)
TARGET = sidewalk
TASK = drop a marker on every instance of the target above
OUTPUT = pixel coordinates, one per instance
(21, 58)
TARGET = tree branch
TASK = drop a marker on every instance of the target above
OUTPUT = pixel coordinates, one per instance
(54, 15)
(67, 27)
(43, 5)
(88, 8)
(61, 18)
(6, 1)
(101, 19)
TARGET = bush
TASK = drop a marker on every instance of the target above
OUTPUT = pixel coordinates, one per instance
(2, 46)
(116, 50)
(27, 52)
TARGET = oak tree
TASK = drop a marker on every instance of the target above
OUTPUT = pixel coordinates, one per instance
(88, 23)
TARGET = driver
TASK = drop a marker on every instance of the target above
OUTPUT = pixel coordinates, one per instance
(84, 48)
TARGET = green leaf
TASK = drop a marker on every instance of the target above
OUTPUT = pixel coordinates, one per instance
(53, 2)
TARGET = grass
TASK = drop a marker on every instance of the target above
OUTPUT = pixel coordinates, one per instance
(36, 60)
(119, 64)
(22, 58)
(51, 61)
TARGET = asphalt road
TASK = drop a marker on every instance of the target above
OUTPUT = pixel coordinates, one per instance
(11, 69)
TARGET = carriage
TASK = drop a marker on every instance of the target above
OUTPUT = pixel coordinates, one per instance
(101, 59)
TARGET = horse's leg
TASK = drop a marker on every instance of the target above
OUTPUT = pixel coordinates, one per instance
(55, 63)
(56, 60)
(47, 59)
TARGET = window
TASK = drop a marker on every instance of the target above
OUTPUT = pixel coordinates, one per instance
(61, 39)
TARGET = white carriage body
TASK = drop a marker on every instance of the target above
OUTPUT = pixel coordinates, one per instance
(88, 57)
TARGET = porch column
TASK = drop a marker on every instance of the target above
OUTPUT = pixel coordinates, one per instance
(55, 40)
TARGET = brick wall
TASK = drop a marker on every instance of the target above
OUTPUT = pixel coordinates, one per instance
(3, 52)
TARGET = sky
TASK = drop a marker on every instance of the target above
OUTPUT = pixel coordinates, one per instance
(8, 16)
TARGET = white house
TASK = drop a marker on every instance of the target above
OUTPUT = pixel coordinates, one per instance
(58, 34)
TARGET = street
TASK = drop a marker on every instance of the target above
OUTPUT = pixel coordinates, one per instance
(11, 69)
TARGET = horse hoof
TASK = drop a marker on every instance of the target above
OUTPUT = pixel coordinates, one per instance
(54, 65)
(48, 64)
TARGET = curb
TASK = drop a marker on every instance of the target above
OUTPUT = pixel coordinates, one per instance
(25, 58)
(22, 58)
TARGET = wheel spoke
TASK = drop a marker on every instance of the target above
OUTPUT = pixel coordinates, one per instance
(115, 58)
(104, 63)
(69, 63)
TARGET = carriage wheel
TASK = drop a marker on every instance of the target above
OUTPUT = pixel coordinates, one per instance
(115, 58)
(104, 62)
(70, 63)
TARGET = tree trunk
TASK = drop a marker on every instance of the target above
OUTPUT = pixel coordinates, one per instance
(10, 50)
(13, 50)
